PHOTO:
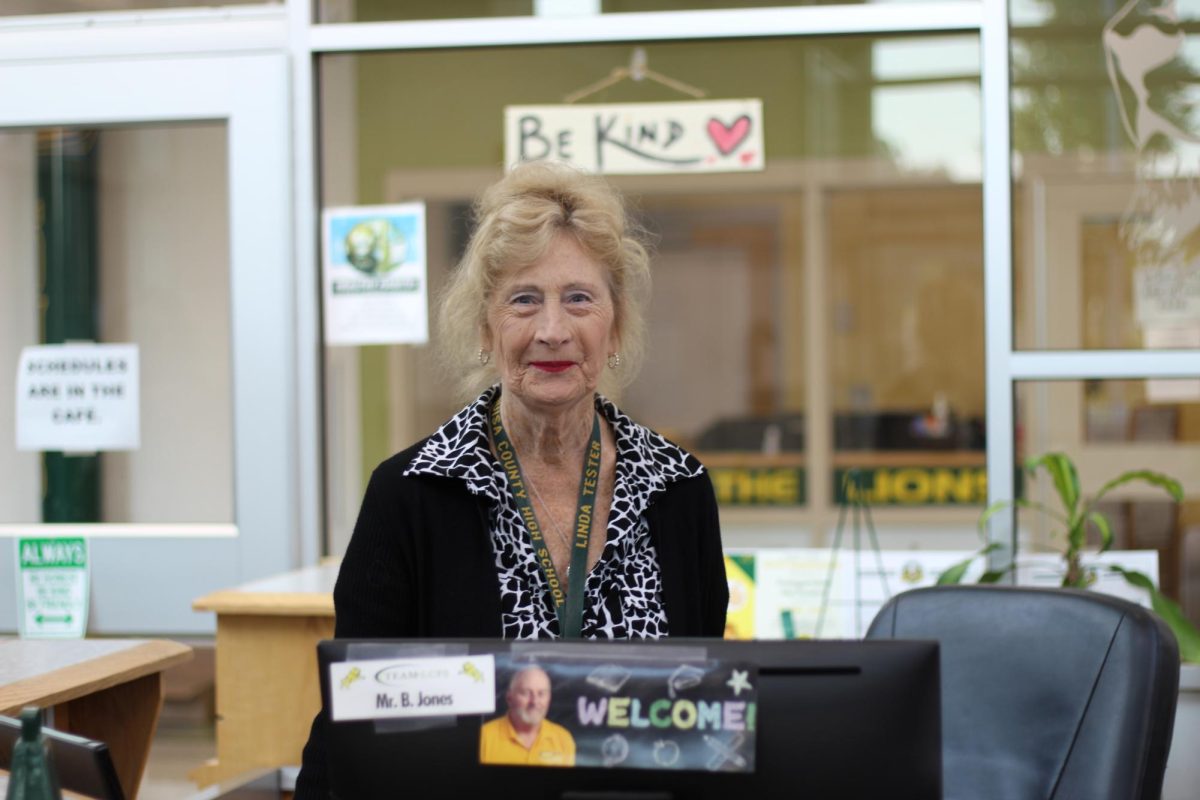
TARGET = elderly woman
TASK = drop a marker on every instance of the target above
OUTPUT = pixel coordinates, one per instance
(539, 510)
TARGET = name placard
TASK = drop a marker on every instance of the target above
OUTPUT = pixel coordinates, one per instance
(391, 688)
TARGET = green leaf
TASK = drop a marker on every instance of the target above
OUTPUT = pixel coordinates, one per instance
(1049, 512)
(1032, 505)
(954, 575)
(1066, 479)
(1101, 523)
(994, 575)
(1185, 632)
(1164, 482)
(1135, 578)
(1076, 535)
(990, 512)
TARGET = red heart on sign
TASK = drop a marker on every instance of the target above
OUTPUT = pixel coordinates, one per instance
(728, 137)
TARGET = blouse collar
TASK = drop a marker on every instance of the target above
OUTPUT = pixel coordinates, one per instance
(459, 449)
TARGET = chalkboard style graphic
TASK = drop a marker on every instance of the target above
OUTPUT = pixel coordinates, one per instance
(616, 714)
(683, 678)
(615, 750)
(666, 753)
(726, 753)
(609, 677)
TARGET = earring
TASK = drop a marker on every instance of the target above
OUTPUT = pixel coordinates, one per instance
(485, 356)
(614, 360)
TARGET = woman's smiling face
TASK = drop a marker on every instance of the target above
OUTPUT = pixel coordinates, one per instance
(551, 327)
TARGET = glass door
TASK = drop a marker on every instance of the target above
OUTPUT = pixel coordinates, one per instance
(146, 203)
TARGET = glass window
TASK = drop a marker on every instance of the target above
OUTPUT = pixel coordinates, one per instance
(12, 8)
(857, 202)
(907, 343)
(94, 223)
(634, 6)
(735, 259)
(1105, 199)
(332, 11)
(335, 11)
(1109, 427)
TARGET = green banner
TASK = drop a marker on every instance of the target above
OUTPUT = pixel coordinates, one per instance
(759, 486)
(915, 485)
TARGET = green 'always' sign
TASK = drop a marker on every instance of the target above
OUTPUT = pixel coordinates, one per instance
(52, 587)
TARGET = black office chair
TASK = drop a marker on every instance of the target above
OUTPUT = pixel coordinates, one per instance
(1047, 694)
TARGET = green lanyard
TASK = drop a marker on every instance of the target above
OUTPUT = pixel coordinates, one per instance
(570, 606)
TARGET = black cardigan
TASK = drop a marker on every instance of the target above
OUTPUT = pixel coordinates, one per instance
(420, 565)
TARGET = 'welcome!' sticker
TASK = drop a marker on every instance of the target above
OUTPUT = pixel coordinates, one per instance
(561, 711)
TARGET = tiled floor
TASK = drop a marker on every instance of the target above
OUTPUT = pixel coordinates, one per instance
(177, 750)
(186, 734)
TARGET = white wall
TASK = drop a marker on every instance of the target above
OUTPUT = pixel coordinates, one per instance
(164, 285)
(20, 473)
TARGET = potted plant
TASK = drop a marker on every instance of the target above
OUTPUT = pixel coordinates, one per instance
(1076, 517)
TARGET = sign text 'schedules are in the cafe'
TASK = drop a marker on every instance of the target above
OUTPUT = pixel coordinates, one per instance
(640, 138)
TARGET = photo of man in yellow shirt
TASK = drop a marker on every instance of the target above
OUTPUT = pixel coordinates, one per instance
(524, 735)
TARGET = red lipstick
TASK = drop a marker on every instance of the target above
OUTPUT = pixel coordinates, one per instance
(551, 366)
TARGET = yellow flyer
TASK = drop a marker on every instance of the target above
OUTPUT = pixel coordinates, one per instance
(739, 620)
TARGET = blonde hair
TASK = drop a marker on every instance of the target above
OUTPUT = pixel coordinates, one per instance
(517, 219)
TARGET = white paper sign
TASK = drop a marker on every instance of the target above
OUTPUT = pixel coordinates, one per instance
(413, 687)
(640, 138)
(52, 587)
(1047, 569)
(374, 275)
(790, 584)
(78, 398)
(1167, 295)
(1160, 337)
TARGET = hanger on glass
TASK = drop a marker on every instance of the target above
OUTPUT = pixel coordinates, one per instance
(636, 71)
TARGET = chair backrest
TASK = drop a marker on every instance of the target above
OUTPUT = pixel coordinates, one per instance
(1046, 693)
(84, 766)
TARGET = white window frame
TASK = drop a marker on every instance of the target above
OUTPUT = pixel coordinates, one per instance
(230, 66)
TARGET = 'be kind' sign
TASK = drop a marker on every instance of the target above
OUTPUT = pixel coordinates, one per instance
(640, 138)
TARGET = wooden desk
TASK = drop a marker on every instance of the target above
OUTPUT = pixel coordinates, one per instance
(267, 687)
(106, 689)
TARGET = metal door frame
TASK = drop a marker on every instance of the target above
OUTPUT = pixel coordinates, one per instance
(213, 65)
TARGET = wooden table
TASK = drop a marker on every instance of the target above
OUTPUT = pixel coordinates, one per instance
(4, 777)
(105, 689)
(267, 687)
